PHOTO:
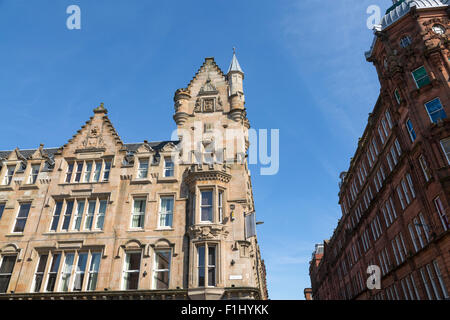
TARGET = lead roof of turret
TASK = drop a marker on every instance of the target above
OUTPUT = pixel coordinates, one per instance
(399, 10)
(234, 65)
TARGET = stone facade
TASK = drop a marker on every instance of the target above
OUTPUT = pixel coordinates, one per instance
(102, 219)
(395, 197)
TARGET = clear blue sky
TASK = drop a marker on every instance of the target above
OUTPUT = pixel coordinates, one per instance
(305, 74)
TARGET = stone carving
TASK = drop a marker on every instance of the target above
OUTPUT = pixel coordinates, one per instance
(208, 232)
(208, 105)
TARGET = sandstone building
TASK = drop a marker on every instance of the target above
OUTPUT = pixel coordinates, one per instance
(102, 219)
(395, 197)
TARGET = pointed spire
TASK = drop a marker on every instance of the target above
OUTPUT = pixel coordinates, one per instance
(234, 65)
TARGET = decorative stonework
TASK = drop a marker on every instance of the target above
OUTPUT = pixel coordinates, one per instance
(207, 173)
(208, 232)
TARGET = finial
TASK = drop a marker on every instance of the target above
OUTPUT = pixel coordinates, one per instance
(234, 50)
(100, 109)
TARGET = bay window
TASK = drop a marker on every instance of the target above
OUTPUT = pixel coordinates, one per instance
(206, 206)
(34, 173)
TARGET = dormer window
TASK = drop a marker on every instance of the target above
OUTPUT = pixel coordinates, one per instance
(143, 169)
(168, 167)
(34, 173)
(9, 175)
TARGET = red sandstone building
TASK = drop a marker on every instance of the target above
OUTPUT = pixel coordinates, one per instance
(395, 197)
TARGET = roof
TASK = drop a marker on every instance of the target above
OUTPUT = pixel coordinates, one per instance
(131, 147)
(234, 65)
(400, 9)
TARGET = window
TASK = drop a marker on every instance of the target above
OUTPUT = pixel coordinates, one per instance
(66, 272)
(168, 167)
(420, 77)
(72, 276)
(34, 173)
(98, 169)
(143, 169)
(166, 212)
(206, 206)
(405, 41)
(6, 269)
(78, 171)
(2, 208)
(438, 29)
(56, 215)
(9, 175)
(106, 171)
(440, 279)
(206, 265)
(380, 132)
(131, 270)
(389, 118)
(101, 215)
(22, 216)
(397, 146)
(442, 214)
(161, 272)
(93, 271)
(412, 133)
(69, 172)
(78, 215)
(445, 144)
(53, 272)
(87, 172)
(39, 275)
(90, 215)
(425, 169)
(138, 214)
(397, 96)
(67, 215)
(80, 271)
(220, 206)
(435, 110)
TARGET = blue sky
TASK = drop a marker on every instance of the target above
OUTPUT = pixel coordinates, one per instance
(305, 74)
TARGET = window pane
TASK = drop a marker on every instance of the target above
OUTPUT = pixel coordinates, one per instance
(6, 269)
(56, 215)
(53, 272)
(40, 273)
(22, 217)
(93, 271)
(80, 271)
(67, 215)
(201, 266)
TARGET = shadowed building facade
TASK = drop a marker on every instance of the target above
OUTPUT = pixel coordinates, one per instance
(395, 197)
(102, 219)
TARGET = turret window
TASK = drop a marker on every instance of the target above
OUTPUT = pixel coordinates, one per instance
(435, 110)
(206, 206)
(206, 265)
(420, 77)
(438, 29)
